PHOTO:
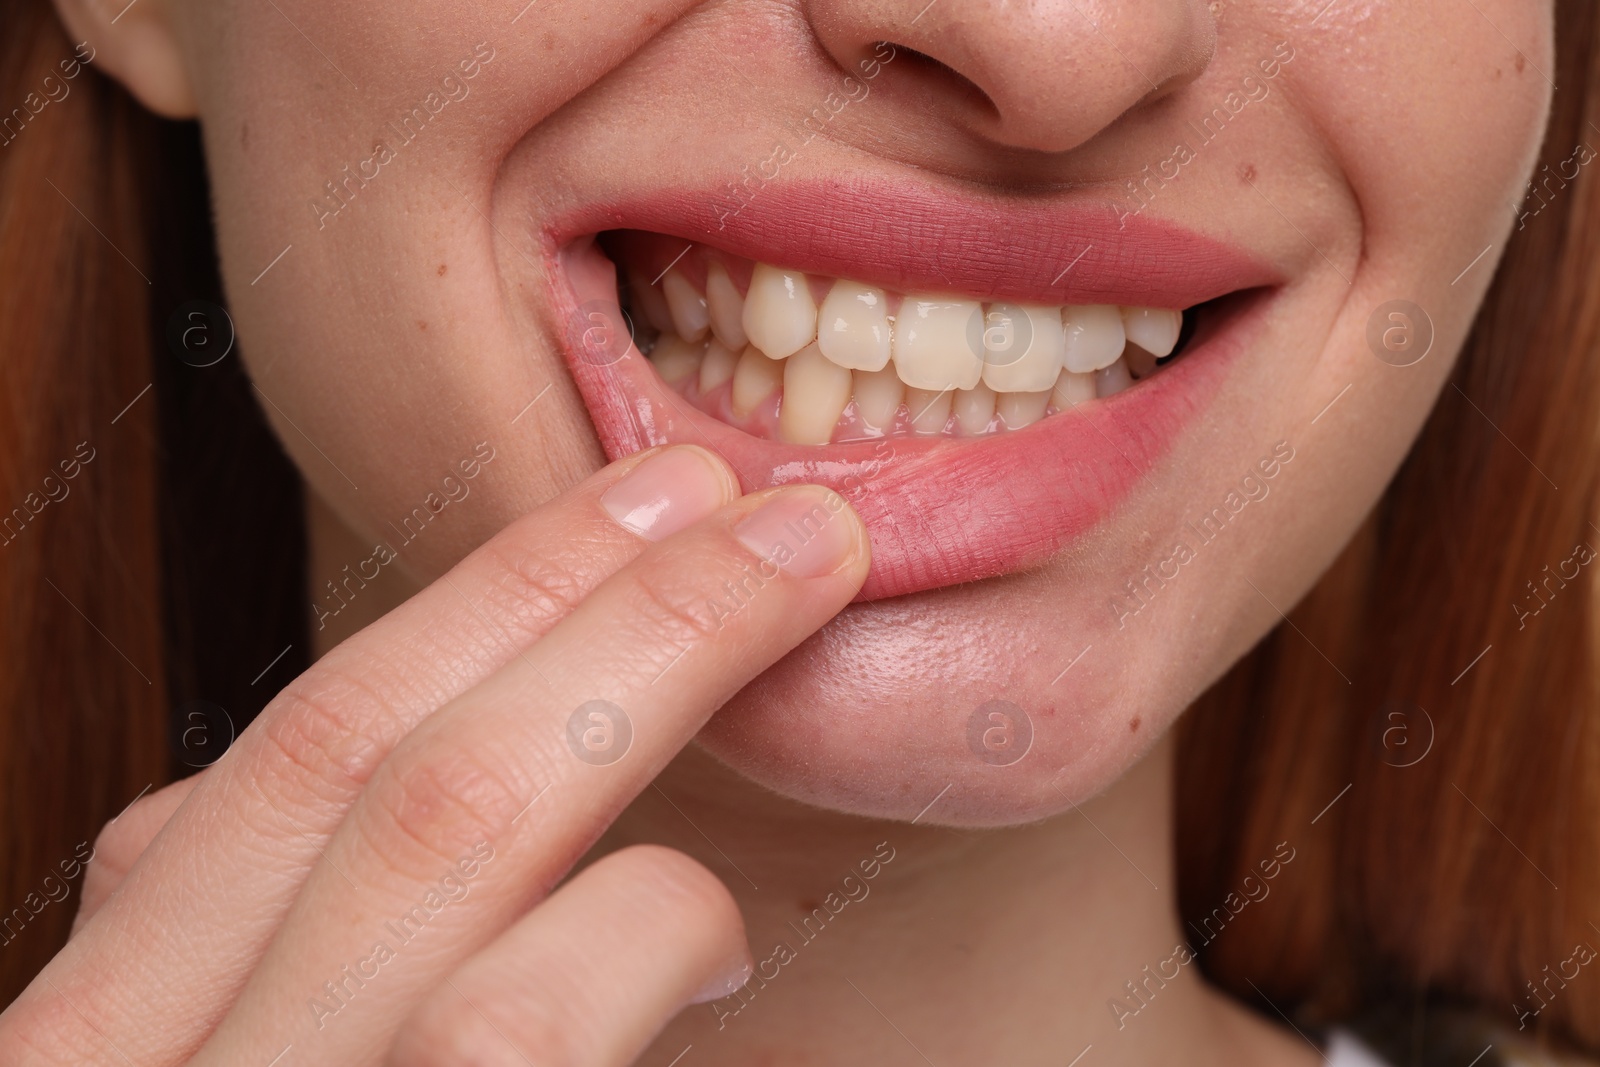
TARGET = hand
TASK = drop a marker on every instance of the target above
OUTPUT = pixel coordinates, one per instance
(367, 875)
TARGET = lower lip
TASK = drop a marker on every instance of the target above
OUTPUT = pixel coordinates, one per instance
(940, 511)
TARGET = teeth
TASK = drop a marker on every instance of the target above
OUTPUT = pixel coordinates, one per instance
(1094, 336)
(1009, 327)
(1141, 364)
(726, 307)
(754, 379)
(853, 326)
(780, 318)
(878, 397)
(718, 366)
(931, 348)
(689, 316)
(675, 358)
(1071, 390)
(815, 392)
(1153, 329)
(651, 302)
(987, 366)
(1112, 380)
(930, 410)
(974, 409)
(1017, 410)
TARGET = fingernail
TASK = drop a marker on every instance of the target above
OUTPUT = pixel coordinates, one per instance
(726, 984)
(807, 531)
(668, 492)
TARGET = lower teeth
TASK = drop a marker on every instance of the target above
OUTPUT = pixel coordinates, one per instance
(805, 399)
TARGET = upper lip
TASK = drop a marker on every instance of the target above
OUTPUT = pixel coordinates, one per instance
(913, 239)
(939, 511)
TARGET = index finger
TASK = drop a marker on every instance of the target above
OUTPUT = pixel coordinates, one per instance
(495, 779)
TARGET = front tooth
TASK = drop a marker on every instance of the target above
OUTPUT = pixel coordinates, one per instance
(931, 349)
(675, 358)
(689, 316)
(1094, 336)
(754, 379)
(1021, 409)
(974, 408)
(878, 397)
(815, 392)
(726, 307)
(650, 301)
(1153, 329)
(930, 410)
(1112, 380)
(780, 317)
(1071, 390)
(853, 326)
(718, 366)
(1035, 368)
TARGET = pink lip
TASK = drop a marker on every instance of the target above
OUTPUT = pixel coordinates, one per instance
(940, 511)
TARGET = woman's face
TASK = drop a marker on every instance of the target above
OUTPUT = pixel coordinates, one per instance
(408, 196)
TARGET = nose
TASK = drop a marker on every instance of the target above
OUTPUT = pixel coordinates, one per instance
(1045, 75)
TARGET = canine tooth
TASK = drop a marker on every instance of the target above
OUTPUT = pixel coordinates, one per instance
(974, 408)
(726, 307)
(754, 379)
(930, 409)
(878, 396)
(1035, 367)
(690, 319)
(1094, 336)
(1153, 329)
(1071, 390)
(1113, 379)
(931, 348)
(1017, 410)
(815, 392)
(718, 366)
(675, 358)
(648, 299)
(780, 317)
(853, 326)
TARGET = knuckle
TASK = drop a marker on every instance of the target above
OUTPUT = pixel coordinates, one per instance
(531, 583)
(317, 737)
(665, 608)
(448, 1029)
(431, 809)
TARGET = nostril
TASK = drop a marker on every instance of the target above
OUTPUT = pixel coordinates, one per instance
(929, 69)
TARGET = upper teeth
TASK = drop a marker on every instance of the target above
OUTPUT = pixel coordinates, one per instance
(1013, 361)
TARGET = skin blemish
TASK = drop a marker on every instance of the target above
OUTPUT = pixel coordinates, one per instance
(1248, 173)
(442, 269)
(421, 325)
(1133, 724)
(1521, 62)
(809, 906)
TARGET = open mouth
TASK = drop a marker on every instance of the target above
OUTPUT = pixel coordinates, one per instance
(786, 356)
(981, 401)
